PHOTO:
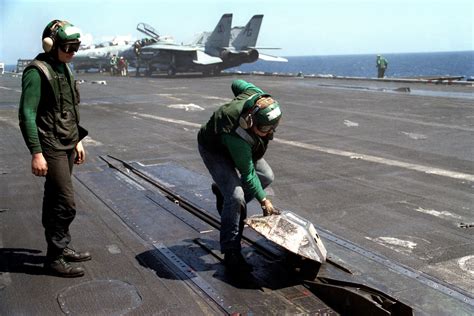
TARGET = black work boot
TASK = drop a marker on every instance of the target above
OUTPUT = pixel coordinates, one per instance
(72, 255)
(219, 198)
(235, 262)
(62, 268)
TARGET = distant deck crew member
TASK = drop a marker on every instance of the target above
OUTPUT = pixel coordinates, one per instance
(232, 145)
(49, 122)
(113, 64)
(381, 64)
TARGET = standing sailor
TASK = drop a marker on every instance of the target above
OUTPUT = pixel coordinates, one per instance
(49, 122)
(382, 65)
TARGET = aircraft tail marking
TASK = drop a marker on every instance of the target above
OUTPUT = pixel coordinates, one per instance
(247, 37)
(221, 35)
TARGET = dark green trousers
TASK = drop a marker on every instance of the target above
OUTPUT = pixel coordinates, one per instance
(59, 208)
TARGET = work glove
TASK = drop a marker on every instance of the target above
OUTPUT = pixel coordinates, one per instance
(267, 208)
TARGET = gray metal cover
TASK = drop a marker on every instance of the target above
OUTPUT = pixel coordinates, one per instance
(292, 232)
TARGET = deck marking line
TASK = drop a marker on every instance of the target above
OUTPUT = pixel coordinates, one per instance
(389, 162)
(343, 153)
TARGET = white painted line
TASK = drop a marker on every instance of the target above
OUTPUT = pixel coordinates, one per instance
(113, 249)
(11, 89)
(467, 264)
(414, 135)
(342, 153)
(441, 214)
(389, 162)
(187, 107)
(396, 244)
(10, 122)
(350, 123)
(169, 96)
(164, 119)
(88, 141)
(390, 117)
(215, 98)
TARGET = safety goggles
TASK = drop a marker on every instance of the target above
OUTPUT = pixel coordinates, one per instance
(267, 128)
(70, 47)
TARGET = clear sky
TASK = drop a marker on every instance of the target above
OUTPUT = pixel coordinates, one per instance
(299, 27)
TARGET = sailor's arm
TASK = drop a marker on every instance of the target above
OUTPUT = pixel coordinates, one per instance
(29, 102)
(241, 154)
(30, 98)
(239, 86)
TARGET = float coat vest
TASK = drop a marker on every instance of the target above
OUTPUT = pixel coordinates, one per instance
(226, 121)
(57, 115)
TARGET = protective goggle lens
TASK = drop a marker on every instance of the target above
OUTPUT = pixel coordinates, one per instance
(267, 128)
(70, 47)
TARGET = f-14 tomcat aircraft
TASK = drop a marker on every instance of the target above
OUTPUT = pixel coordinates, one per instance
(209, 53)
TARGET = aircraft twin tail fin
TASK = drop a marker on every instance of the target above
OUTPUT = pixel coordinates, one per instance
(221, 35)
(246, 37)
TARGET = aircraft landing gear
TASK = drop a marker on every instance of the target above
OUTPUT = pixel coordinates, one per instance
(214, 71)
(171, 71)
(149, 71)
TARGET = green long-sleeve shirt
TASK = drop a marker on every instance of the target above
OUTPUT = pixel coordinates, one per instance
(219, 135)
(241, 153)
(29, 102)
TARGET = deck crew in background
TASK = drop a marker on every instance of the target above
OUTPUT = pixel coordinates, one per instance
(232, 144)
(113, 63)
(49, 122)
(381, 64)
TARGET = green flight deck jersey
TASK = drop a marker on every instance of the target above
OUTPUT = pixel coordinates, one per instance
(223, 134)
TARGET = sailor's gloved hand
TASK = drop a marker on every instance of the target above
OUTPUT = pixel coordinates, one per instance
(267, 208)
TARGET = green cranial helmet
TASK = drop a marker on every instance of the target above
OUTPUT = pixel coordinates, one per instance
(59, 32)
(269, 116)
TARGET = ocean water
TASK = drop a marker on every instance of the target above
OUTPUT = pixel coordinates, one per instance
(399, 65)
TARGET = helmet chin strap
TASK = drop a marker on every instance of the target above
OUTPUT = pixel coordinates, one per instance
(54, 54)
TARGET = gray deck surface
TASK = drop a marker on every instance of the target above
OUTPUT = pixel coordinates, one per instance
(391, 173)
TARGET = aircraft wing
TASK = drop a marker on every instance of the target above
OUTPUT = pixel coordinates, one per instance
(174, 47)
(260, 55)
(204, 59)
(201, 57)
(271, 58)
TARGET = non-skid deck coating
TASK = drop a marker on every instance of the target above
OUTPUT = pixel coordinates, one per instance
(322, 156)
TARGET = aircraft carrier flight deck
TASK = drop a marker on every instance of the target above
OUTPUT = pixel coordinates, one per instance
(383, 169)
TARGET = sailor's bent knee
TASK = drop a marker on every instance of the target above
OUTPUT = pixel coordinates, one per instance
(238, 197)
(267, 178)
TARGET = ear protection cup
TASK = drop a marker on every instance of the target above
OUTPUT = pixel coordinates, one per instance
(48, 44)
(246, 121)
(49, 39)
